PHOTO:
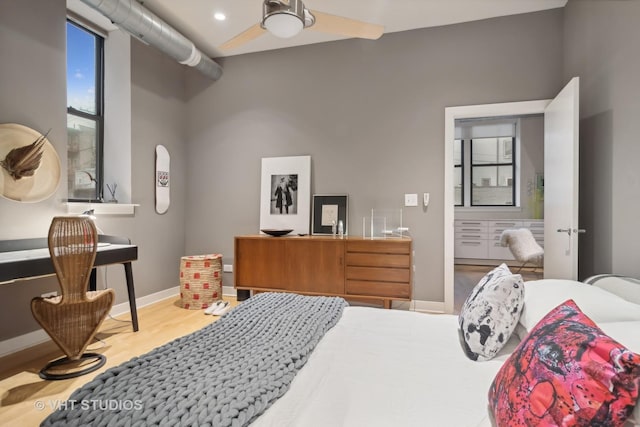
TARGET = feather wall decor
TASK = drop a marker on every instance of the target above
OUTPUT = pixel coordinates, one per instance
(24, 161)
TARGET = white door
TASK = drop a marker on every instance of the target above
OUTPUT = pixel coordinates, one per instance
(561, 184)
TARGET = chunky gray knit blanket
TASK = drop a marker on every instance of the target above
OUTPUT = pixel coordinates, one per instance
(225, 374)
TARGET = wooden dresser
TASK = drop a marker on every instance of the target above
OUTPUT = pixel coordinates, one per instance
(350, 267)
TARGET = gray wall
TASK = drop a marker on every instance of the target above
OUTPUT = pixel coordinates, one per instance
(601, 40)
(33, 93)
(27, 97)
(370, 114)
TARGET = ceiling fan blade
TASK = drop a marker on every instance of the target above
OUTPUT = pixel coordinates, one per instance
(333, 24)
(246, 36)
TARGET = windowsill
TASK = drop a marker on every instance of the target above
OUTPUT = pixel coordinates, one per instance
(76, 208)
(488, 209)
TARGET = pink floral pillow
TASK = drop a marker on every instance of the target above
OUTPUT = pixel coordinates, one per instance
(566, 372)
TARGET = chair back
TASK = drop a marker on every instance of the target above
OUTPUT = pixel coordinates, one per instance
(522, 245)
(73, 318)
(73, 243)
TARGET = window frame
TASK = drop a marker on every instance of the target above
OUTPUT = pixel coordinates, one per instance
(98, 117)
(462, 174)
(496, 165)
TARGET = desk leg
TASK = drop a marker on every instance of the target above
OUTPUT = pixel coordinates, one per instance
(132, 295)
(93, 280)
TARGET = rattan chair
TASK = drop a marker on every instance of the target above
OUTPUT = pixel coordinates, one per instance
(73, 318)
(523, 246)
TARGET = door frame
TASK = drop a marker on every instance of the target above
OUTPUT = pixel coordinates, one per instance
(451, 114)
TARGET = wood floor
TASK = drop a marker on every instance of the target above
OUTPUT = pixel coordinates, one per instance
(25, 399)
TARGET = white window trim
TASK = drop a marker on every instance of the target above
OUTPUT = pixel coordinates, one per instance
(117, 102)
(77, 208)
(117, 114)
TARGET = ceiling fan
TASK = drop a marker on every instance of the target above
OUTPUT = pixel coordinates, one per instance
(286, 18)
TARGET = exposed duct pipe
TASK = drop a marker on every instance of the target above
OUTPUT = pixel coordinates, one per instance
(131, 16)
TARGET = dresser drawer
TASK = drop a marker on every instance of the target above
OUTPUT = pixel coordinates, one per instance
(379, 246)
(364, 259)
(465, 248)
(497, 231)
(378, 274)
(497, 251)
(471, 230)
(470, 223)
(470, 235)
(381, 289)
(533, 224)
(504, 223)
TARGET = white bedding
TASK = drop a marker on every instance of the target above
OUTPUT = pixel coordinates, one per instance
(387, 367)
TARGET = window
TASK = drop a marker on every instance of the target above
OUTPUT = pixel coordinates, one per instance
(85, 122)
(485, 163)
(492, 172)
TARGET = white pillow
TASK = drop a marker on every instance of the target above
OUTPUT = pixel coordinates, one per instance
(491, 312)
(625, 287)
(541, 296)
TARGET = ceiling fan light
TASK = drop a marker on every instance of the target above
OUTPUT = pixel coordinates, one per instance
(283, 25)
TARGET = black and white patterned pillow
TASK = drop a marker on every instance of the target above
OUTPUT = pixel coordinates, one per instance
(491, 313)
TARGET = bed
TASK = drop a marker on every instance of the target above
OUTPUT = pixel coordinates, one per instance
(366, 366)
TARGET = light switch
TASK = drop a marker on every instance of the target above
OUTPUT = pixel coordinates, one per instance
(411, 199)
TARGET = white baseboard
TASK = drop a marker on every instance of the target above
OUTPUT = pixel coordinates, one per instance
(429, 306)
(420, 306)
(144, 301)
(123, 308)
(22, 342)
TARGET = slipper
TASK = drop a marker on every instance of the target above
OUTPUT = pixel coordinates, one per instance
(213, 307)
(222, 308)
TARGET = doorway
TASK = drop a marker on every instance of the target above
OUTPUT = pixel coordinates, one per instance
(510, 109)
(498, 175)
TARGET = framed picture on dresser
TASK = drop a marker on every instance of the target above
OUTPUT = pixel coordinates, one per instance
(285, 193)
(328, 210)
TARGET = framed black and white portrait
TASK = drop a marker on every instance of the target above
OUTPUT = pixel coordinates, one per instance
(285, 193)
(328, 211)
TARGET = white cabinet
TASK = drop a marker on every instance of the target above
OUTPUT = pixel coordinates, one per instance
(480, 239)
(471, 239)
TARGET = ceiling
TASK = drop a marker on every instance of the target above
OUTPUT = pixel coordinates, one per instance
(195, 20)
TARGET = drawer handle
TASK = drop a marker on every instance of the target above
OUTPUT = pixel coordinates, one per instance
(470, 229)
(471, 243)
(471, 236)
(470, 223)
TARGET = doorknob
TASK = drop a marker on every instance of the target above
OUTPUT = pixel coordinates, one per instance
(574, 230)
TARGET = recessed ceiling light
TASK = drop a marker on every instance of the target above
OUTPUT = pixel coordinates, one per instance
(220, 16)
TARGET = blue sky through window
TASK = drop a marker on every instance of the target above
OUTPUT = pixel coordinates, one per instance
(81, 69)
